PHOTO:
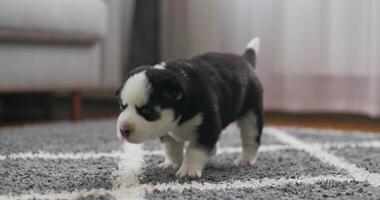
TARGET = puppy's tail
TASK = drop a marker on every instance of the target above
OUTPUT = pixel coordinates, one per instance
(252, 51)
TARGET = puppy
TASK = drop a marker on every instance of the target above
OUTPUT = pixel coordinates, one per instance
(191, 101)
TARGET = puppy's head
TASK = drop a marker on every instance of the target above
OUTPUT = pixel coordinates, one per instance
(148, 100)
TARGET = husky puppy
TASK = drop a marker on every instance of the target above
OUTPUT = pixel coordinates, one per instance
(191, 101)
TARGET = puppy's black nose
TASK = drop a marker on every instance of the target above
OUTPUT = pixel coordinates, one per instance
(126, 130)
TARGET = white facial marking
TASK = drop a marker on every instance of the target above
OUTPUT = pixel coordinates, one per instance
(136, 90)
(160, 66)
(146, 130)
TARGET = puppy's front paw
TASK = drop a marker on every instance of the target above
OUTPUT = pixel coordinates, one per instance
(189, 172)
(169, 165)
(243, 162)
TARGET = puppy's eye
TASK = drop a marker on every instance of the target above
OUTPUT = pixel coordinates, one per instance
(147, 110)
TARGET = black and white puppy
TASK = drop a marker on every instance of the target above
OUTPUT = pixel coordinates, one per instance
(193, 100)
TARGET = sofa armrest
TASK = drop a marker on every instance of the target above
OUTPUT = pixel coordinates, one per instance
(116, 42)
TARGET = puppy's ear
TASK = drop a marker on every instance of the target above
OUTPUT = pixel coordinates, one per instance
(173, 90)
(172, 96)
(170, 87)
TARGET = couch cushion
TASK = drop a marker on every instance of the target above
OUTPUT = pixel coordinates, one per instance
(53, 20)
(49, 67)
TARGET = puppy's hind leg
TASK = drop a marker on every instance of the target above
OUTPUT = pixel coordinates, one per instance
(250, 132)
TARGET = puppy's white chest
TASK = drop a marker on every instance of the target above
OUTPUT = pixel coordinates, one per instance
(182, 135)
(187, 130)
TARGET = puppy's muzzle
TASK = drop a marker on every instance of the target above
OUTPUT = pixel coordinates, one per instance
(126, 130)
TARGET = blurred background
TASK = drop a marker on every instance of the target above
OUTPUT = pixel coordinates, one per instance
(63, 60)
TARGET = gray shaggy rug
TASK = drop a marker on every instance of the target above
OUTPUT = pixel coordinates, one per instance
(87, 161)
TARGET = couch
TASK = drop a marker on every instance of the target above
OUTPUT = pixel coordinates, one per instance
(65, 45)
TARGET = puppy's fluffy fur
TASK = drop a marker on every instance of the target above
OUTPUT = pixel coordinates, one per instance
(193, 100)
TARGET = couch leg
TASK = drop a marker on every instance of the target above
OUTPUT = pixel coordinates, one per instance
(76, 105)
